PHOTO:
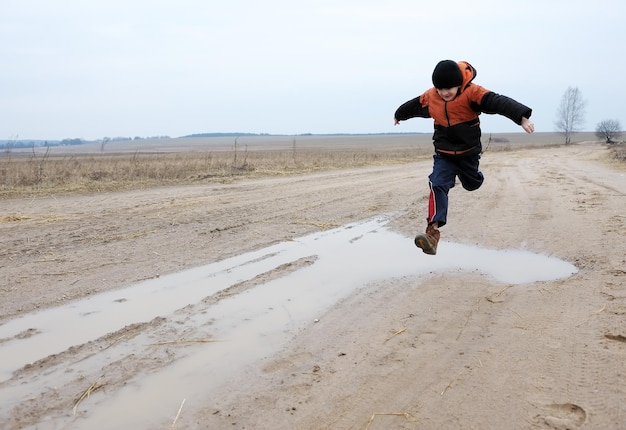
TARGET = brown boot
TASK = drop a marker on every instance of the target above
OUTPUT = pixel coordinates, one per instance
(428, 241)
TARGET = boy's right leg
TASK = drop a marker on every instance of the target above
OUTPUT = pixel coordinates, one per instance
(440, 182)
(429, 240)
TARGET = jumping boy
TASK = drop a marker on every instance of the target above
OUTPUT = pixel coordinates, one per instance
(455, 104)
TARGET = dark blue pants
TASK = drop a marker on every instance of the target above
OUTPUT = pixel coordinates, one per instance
(445, 170)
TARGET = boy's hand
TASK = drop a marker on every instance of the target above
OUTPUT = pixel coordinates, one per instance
(395, 122)
(528, 125)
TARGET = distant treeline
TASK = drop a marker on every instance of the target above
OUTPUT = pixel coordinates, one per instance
(225, 134)
(295, 135)
(10, 144)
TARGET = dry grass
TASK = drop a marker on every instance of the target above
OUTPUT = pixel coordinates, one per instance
(85, 168)
(48, 174)
(618, 152)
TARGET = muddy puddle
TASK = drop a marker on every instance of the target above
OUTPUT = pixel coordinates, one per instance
(287, 287)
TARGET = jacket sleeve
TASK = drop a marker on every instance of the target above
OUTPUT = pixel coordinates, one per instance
(493, 103)
(411, 109)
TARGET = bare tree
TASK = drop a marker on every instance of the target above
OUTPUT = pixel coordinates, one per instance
(609, 129)
(103, 143)
(10, 144)
(571, 113)
(39, 176)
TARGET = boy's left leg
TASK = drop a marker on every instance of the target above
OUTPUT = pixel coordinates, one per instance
(471, 178)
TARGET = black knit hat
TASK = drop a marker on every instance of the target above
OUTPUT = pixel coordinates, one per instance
(447, 74)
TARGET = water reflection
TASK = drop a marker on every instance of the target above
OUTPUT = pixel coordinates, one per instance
(255, 323)
(347, 258)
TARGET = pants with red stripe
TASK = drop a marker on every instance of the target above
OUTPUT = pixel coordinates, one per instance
(445, 170)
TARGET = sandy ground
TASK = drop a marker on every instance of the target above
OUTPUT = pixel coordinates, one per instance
(444, 351)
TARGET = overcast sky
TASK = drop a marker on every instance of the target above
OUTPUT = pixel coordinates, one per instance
(95, 68)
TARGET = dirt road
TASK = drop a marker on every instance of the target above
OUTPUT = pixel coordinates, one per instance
(437, 351)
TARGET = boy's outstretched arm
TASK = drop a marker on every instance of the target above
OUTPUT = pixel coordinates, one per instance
(411, 109)
(493, 103)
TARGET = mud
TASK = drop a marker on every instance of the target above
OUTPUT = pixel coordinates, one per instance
(302, 302)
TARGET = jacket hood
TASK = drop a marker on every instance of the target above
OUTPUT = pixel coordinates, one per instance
(469, 73)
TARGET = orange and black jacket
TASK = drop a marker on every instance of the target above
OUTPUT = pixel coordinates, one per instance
(457, 126)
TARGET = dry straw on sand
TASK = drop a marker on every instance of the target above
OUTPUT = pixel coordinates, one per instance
(178, 414)
(171, 342)
(407, 416)
(93, 387)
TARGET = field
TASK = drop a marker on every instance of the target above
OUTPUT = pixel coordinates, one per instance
(147, 163)
(451, 348)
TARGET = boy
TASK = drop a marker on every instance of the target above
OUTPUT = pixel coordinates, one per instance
(455, 104)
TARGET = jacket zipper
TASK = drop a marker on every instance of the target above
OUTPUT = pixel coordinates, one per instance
(445, 109)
